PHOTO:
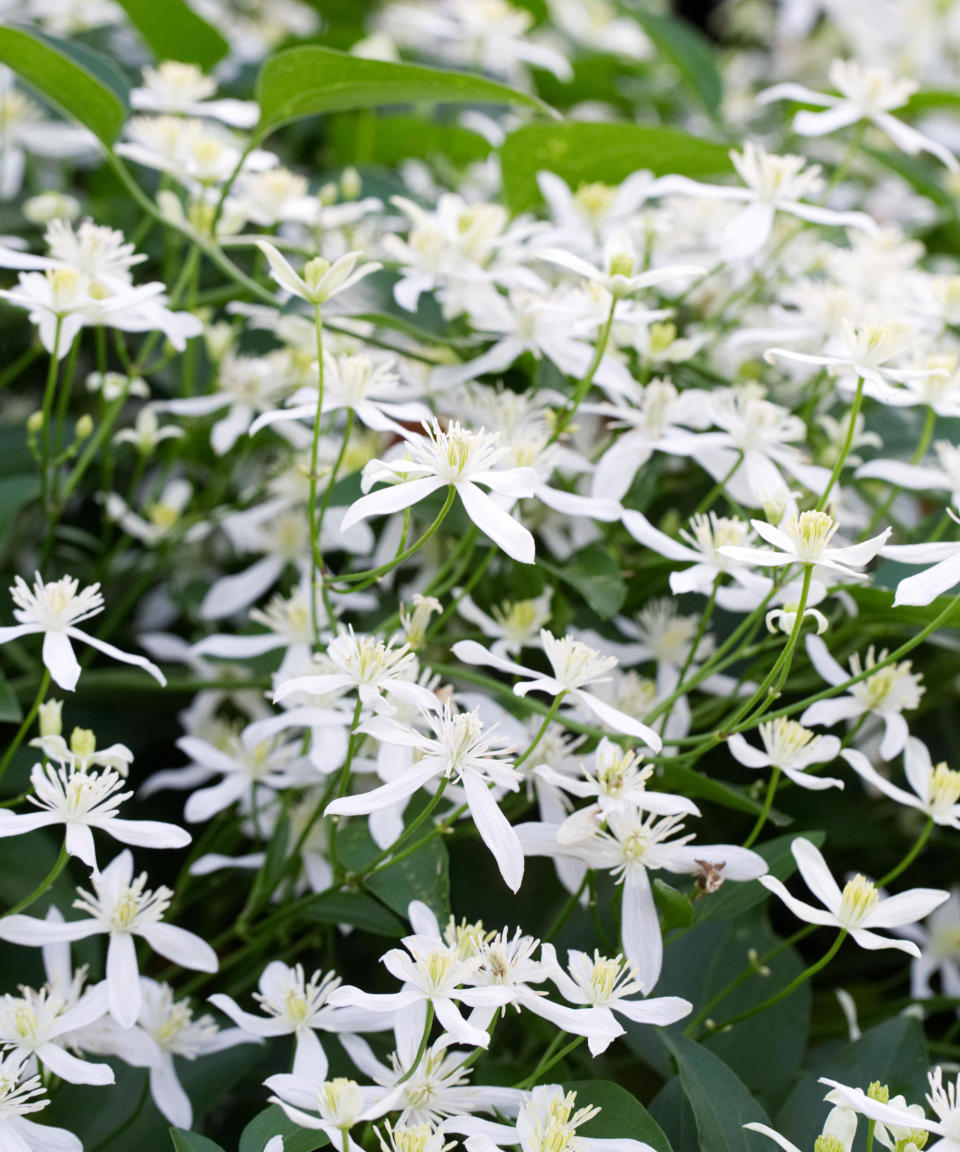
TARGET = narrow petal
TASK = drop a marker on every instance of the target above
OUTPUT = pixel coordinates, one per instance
(495, 830)
(393, 498)
(180, 946)
(61, 660)
(500, 526)
(123, 980)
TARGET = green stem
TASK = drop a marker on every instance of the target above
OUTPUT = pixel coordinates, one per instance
(542, 730)
(316, 553)
(847, 445)
(583, 387)
(910, 856)
(765, 810)
(405, 835)
(47, 410)
(546, 1064)
(45, 883)
(424, 1040)
(566, 910)
(27, 722)
(343, 782)
(794, 984)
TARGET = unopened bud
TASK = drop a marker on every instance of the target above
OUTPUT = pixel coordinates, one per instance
(879, 1092)
(84, 427)
(350, 184)
(50, 715)
(35, 423)
(83, 742)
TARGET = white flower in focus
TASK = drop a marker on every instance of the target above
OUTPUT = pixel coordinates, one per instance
(936, 789)
(40, 1024)
(944, 1101)
(83, 801)
(574, 665)
(321, 280)
(53, 609)
(20, 1095)
(805, 538)
(866, 93)
(459, 458)
(791, 748)
(121, 907)
(858, 908)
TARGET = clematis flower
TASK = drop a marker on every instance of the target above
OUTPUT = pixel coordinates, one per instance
(330, 1106)
(182, 89)
(462, 459)
(773, 184)
(936, 790)
(944, 1101)
(39, 1024)
(547, 1122)
(805, 539)
(858, 908)
(19, 1096)
(944, 573)
(791, 748)
(83, 801)
(942, 475)
(120, 907)
(53, 610)
(574, 665)
(459, 748)
(886, 694)
(321, 280)
(619, 273)
(866, 93)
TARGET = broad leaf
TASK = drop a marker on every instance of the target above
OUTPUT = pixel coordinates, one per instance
(356, 908)
(595, 574)
(687, 49)
(720, 1101)
(184, 1141)
(85, 85)
(175, 32)
(273, 1121)
(395, 138)
(311, 80)
(584, 153)
(621, 1114)
(10, 710)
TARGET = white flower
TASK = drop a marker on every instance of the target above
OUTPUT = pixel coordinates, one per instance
(944, 1101)
(53, 609)
(925, 587)
(791, 748)
(321, 280)
(39, 1024)
(82, 753)
(293, 1005)
(460, 458)
(513, 624)
(20, 1095)
(858, 908)
(182, 89)
(339, 1104)
(936, 790)
(83, 801)
(886, 693)
(619, 274)
(839, 1131)
(574, 665)
(459, 749)
(547, 1122)
(375, 669)
(120, 907)
(773, 184)
(805, 539)
(866, 93)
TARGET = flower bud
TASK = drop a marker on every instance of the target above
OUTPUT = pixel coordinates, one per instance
(50, 714)
(84, 427)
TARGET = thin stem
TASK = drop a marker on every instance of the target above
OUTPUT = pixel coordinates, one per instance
(27, 722)
(424, 1040)
(583, 387)
(566, 910)
(545, 1065)
(45, 883)
(765, 810)
(316, 554)
(910, 856)
(405, 835)
(542, 730)
(847, 445)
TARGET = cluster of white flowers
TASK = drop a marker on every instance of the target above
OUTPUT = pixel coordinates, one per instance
(468, 537)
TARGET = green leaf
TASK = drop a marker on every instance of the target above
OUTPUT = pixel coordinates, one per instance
(273, 1121)
(424, 875)
(175, 32)
(678, 778)
(595, 574)
(311, 80)
(688, 50)
(720, 1101)
(184, 1141)
(582, 153)
(736, 898)
(85, 85)
(356, 908)
(396, 138)
(621, 1114)
(894, 1052)
(675, 907)
(10, 710)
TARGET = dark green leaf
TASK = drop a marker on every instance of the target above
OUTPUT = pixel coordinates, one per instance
(312, 80)
(85, 85)
(583, 153)
(184, 1141)
(354, 908)
(175, 32)
(675, 907)
(621, 1114)
(678, 778)
(595, 574)
(720, 1101)
(735, 899)
(273, 1121)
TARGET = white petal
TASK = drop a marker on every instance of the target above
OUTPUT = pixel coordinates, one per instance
(816, 875)
(181, 946)
(60, 659)
(640, 928)
(123, 979)
(500, 526)
(495, 830)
